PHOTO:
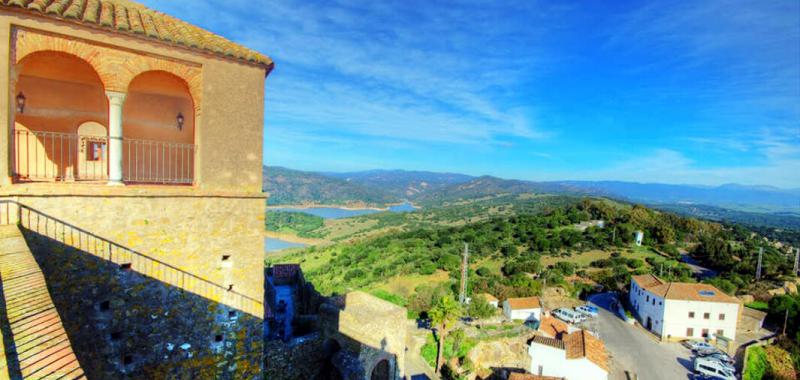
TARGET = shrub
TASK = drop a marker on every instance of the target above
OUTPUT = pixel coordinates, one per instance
(756, 364)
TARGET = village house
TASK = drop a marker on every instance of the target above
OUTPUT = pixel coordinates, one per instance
(524, 309)
(577, 356)
(492, 300)
(677, 310)
(131, 146)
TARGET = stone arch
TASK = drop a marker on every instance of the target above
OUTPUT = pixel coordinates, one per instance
(143, 64)
(115, 67)
(381, 370)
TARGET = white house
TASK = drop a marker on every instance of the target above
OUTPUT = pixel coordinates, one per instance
(678, 310)
(492, 300)
(638, 236)
(527, 308)
(579, 355)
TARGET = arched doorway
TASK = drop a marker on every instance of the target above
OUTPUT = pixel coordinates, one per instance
(59, 92)
(158, 130)
(92, 151)
(331, 347)
(381, 370)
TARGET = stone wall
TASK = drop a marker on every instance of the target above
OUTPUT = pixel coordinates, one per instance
(125, 325)
(299, 359)
(185, 230)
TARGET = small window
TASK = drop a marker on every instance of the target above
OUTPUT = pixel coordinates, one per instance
(654, 302)
(690, 332)
(705, 333)
(691, 314)
(218, 338)
(127, 359)
(231, 314)
(226, 257)
(116, 336)
(105, 306)
(125, 266)
(722, 317)
(720, 333)
(648, 299)
(706, 315)
(95, 151)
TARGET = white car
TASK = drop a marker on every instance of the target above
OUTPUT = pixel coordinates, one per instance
(696, 345)
(588, 310)
(713, 369)
(568, 315)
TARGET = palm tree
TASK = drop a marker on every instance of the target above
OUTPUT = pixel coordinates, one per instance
(443, 315)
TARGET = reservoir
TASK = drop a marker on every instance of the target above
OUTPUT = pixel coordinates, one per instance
(339, 213)
(274, 245)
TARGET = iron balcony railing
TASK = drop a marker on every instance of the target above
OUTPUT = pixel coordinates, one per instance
(13, 212)
(55, 156)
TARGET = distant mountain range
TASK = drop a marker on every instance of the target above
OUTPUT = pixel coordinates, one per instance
(381, 187)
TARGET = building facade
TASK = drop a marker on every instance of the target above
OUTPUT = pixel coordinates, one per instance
(131, 147)
(675, 311)
(579, 355)
(524, 309)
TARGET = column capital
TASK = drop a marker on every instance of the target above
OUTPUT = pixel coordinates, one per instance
(116, 97)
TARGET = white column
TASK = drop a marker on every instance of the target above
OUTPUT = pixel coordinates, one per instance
(115, 101)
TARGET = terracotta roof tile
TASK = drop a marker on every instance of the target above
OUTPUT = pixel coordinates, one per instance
(553, 327)
(524, 303)
(581, 344)
(129, 17)
(545, 341)
(683, 290)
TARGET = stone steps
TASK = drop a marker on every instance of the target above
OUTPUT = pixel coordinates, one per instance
(41, 346)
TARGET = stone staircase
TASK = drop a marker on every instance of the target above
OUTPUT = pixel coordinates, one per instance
(35, 344)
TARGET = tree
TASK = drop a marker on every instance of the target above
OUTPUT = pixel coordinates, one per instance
(443, 315)
(480, 308)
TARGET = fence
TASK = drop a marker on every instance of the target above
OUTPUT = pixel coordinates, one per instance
(55, 156)
(12, 212)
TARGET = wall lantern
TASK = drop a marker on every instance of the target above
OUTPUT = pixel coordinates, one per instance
(180, 121)
(20, 102)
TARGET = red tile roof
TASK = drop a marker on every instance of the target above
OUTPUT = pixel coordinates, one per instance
(682, 290)
(581, 344)
(553, 327)
(131, 18)
(524, 303)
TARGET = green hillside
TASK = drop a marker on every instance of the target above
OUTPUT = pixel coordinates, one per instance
(292, 187)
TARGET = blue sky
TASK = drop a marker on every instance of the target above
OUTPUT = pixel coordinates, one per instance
(704, 92)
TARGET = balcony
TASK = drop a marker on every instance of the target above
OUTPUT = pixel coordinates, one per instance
(72, 125)
(41, 156)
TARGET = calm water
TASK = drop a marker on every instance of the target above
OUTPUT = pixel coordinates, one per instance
(338, 213)
(274, 245)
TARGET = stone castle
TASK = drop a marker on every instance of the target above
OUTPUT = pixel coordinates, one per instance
(132, 211)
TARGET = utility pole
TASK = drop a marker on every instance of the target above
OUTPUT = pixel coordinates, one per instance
(785, 321)
(796, 270)
(462, 297)
(758, 268)
(661, 270)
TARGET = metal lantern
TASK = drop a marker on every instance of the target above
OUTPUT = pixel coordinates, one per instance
(180, 121)
(20, 102)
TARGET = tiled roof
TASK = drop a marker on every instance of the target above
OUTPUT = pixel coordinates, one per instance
(581, 344)
(646, 280)
(683, 291)
(128, 17)
(553, 327)
(545, 341)
(285, 272)
(524, 303)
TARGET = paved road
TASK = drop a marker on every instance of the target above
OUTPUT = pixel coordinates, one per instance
(635, 350)
(416, 367)
(699, 271)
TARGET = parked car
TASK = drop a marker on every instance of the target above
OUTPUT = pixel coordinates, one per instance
(713, 369)
(696, 345)
(568, 315)
(719, 356)
(588, 310)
